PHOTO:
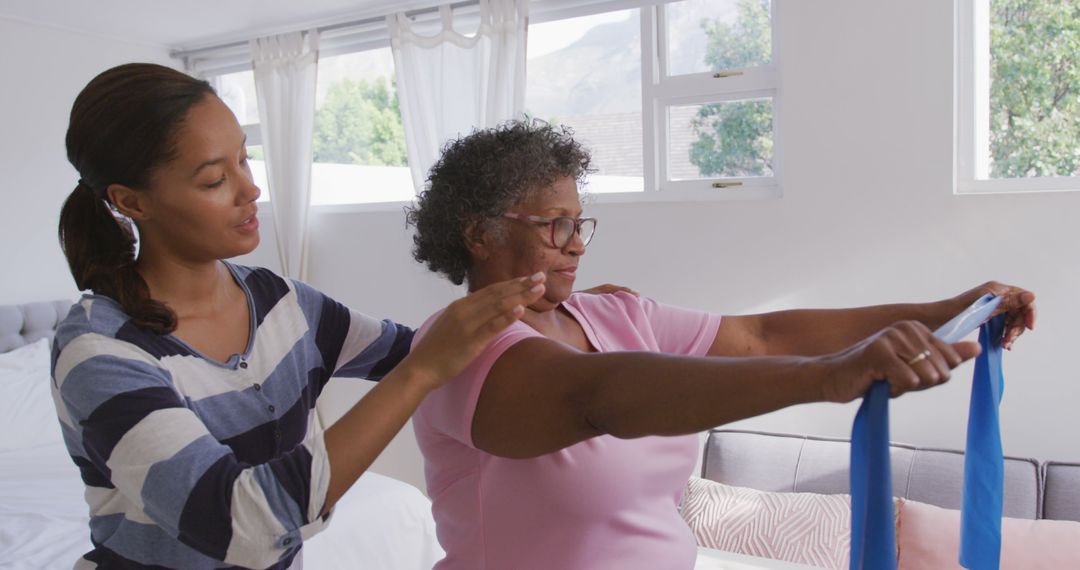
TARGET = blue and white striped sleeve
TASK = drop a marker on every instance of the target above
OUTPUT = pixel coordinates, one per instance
(138, 434)
(358, 346)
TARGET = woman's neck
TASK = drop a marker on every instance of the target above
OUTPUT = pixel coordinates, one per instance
(190, 289)
(541, 313)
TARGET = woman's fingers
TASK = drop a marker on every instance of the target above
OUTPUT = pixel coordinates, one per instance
(1019, 304)
(914, 359)
(504, 298)
(1021, 316)
(1029, 314)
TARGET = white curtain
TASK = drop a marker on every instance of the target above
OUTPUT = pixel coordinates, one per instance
(450, 83)
(285, 71)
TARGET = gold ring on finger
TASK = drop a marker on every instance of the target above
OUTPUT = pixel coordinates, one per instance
(919, 358)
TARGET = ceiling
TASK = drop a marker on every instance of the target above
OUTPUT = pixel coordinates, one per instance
(194, 23)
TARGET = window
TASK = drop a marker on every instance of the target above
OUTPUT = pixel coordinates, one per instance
(359, 143)
(729, 139)
(358, 146)
(585, 73)
(1018, 105)
(674, 100)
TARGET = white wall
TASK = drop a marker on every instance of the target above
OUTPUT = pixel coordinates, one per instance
(868, 216)
(44, 68)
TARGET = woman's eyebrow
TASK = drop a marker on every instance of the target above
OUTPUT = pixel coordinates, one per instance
(214, 161)
(206, 163)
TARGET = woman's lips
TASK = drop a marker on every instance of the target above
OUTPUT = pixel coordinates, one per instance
(569, 272)
(249, 225)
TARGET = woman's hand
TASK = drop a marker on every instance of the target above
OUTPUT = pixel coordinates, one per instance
(906, 355)
(1018, 303)
(609, 288)
(467, 325)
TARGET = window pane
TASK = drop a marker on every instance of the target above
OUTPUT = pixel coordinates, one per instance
(711, 35)
(1034, 88)
(585, 73)
(359, 142)
(720, 140)
(237, 90)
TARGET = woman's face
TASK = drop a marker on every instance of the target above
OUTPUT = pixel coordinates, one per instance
(201, 205)
(528, 249)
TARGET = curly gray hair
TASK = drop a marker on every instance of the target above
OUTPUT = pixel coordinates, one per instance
(479, 177)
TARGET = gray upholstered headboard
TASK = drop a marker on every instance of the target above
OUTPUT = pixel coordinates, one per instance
(23, 324)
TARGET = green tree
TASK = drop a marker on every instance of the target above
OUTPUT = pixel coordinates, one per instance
(1034, 88)
(735, 138)
(360, 123)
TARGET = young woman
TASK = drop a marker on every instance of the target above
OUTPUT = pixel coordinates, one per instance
(539, 455)
(185, 384)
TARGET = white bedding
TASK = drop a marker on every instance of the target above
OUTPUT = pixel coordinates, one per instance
(380, 523)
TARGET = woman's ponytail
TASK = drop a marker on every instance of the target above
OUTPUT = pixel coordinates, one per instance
(100, 250)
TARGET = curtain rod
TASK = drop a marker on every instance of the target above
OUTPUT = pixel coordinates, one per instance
(182, 54)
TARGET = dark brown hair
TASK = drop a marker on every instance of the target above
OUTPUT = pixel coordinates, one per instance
(123, 126)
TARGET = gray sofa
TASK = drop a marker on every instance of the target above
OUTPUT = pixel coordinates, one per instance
(798, 463)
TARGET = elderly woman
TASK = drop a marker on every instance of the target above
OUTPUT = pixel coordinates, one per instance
(567, 443)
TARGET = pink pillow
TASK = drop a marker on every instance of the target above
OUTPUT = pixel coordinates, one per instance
(928, 538)
(806, 528)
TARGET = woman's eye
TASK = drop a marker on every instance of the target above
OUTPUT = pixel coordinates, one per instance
(216, 183)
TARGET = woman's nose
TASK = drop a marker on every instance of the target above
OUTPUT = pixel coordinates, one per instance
(249, 192)
(576, 246)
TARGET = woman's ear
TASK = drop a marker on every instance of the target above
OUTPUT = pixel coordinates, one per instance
(127, 201)
(478, 241)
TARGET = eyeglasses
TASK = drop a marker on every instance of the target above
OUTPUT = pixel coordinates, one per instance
(563, 228)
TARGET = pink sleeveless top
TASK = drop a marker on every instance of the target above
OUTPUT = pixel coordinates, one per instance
(599, 504)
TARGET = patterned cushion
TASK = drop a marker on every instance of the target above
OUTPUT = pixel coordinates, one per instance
(805, 528)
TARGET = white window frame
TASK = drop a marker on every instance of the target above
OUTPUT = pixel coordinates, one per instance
(658, 92)
(972, 112)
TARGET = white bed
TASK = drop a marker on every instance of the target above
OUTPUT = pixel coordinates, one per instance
(381, 523)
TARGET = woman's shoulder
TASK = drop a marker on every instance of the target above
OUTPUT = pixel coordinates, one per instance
(605, 303)
(91, 314)
(97, 326)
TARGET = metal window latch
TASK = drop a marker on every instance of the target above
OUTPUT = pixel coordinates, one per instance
(722, 74)
(725, 184)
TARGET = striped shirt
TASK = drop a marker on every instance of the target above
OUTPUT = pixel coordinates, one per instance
(197, 464)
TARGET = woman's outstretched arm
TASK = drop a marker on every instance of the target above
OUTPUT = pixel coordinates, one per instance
(541, 396)
(812, 332)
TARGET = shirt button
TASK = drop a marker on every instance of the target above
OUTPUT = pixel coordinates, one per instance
(243, 364)
(287, 541)
(277, 434)
(258, 387)
(271, 408)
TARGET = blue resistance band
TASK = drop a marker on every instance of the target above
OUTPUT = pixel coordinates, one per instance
(984, 466)
(873, 530)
